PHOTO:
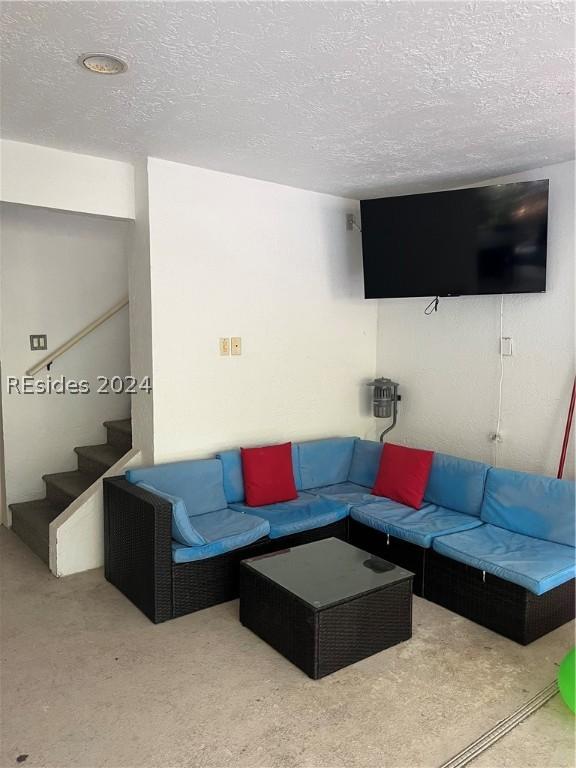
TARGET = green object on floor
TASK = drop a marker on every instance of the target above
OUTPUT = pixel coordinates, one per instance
(566, 675)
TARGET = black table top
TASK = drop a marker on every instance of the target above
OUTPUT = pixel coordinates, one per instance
(326, 572)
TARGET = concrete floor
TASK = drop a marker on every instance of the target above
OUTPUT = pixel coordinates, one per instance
(87, 681)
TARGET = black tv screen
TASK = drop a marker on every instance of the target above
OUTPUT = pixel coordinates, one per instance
(463, 242)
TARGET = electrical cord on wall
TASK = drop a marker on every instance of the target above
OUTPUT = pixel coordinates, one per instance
(497, 438)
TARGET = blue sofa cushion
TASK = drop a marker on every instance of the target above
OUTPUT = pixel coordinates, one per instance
(537, 506)
(302, 514)
(365, 463)
(222, 531)
(418, 526)
(183, 530)
(350, 493)
(233, 479)
(532, 563)
(456, 483)
(325, 462)
(198, 483)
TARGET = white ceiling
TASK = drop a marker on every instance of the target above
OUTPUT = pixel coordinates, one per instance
(352, 98)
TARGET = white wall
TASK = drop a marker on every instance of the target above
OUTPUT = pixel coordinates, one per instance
(448, 364)
(232, 256)
(140, 317)
(50, 178)
(59, 272)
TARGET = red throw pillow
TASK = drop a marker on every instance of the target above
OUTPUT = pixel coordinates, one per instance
(403, 474)
(268, 474)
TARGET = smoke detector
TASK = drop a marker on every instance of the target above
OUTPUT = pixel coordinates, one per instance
(102, 63)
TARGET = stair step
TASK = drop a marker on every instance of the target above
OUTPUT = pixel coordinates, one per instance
(31, 521)
(63, 487)
(119, 434)
(96, 459)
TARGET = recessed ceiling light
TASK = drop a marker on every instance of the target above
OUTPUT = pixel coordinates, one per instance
(102, 63)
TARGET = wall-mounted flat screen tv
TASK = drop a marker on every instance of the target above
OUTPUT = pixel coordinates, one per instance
(465, 242)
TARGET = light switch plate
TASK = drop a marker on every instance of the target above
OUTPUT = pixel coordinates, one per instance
(38, 342)
(224, 346)
(236, 345)
(506, 346)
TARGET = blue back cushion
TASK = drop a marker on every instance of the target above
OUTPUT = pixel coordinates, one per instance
(325, 462)
(456, 483)
(198, 483)
(537, 506)
(233, 480)
(365, 462)
(182, 529)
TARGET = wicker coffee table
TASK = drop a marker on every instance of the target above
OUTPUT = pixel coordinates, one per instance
(326, 604)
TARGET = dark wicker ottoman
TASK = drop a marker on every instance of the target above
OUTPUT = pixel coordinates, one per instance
(326, 604)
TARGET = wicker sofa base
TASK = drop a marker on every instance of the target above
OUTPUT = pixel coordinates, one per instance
(204, 583)
(500, 605)
(137, 546)
(397, 551)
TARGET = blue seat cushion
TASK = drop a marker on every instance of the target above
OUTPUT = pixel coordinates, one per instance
(350, 493)
(365, 463)
(533, 505)
(183, 531)
(222, 531)
(532, 563)
(325, 462)
(302, 514)
(198, 483)
(456, 483)
(233, 478)
(418, 526)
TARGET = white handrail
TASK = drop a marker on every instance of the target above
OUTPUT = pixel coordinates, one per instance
(49, 359)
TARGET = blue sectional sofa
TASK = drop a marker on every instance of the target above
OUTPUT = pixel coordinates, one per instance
(493, 545)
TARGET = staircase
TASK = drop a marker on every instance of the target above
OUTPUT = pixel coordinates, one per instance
(31, 519)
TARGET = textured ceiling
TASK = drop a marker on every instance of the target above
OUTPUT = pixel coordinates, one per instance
(353, 98)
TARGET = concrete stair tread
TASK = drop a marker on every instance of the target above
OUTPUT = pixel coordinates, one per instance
(40, 511)
(31, 523)
(122, 425)
(71, 483)
(105, 454)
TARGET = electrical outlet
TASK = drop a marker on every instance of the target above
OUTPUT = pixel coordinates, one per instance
(224, 347)
(236, 345)
(349, 222)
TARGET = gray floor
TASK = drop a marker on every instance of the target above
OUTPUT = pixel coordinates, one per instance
(88, 681)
